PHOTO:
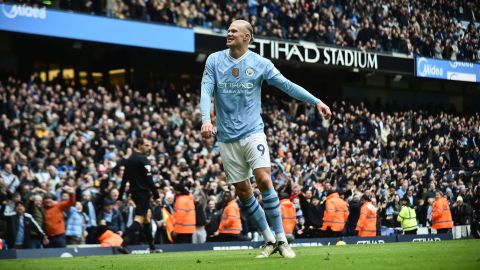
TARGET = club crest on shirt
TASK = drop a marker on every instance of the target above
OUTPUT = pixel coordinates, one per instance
(249, 72)
(235, 72)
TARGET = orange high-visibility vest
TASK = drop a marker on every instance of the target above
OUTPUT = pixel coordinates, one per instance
(367, 223)
(184, 214)
(289, 215)
(336, 213)
(231, 222)
(441, 216)
(110, 239)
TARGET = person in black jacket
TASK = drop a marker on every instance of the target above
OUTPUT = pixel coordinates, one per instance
(421, 211)
(313, 212)
(138, 173)
(461, 212)
(20, 226)
(354, 209)
(200, 235)
(213, 216)
(112, 217)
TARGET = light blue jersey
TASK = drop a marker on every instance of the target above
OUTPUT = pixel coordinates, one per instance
(236, 85)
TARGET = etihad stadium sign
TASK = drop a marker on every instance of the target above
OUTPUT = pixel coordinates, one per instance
(301, 53)
(310, 53)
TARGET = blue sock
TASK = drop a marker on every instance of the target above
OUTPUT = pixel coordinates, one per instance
(271, 204)
(255, 212)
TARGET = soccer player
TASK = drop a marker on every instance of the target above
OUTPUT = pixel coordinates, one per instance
(234, 76)
(138, 174)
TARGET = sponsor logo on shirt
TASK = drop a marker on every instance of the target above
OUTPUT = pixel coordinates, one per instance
(235, 87)
(235, 72)
(241, 85)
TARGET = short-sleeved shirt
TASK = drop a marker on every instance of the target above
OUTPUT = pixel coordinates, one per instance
(237, 91)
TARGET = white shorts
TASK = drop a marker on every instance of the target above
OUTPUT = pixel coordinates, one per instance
(241, 157)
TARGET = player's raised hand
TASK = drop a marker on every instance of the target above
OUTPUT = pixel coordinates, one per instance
(324, 109)
(207, 130)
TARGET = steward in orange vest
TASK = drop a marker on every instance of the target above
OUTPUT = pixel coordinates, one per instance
(231, 224)
(367, 223)
(335, 216)
(441, 216)
(184, 215)
(289, 216)
(110, 239)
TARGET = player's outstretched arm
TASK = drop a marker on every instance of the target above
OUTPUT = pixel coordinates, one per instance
(207, 129)
(207, 88)
(298, 92)
(275, 78)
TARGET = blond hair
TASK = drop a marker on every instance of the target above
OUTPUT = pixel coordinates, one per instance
(247, 26)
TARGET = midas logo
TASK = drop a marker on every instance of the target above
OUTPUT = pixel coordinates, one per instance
(24, 11)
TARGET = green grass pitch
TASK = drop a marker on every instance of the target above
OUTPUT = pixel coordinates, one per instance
(454, 255)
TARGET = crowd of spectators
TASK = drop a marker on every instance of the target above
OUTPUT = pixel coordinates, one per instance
(60, 147)
(434, 28)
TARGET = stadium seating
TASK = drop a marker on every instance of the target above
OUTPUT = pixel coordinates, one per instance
(53, 136)
(439, 29)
